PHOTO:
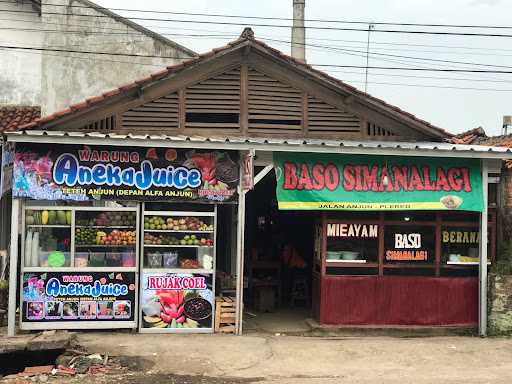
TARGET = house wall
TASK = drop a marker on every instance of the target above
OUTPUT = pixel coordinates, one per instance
(20, 71)
(72, 77)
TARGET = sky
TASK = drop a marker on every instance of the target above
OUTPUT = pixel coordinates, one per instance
(454, 101)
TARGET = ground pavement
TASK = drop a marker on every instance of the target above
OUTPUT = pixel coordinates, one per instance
(263, 357)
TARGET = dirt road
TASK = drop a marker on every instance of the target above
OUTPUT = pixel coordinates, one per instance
(220, 359)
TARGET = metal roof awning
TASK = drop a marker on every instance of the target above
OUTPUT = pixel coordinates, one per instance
(433, 149)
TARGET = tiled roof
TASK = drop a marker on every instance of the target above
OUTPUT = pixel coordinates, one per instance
(477, 136)
(469, 137)
(13, 116)
(247, 37)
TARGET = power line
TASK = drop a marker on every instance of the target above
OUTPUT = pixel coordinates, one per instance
(317, 65)
(434, 86)
(348, 81)
(345, 80)
(283, 41)
(210, 34)
(402, 57)
(334, 71)
(439, 33)
(327, 21)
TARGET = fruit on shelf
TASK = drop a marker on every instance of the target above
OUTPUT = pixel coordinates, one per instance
(91, 236)
(106, 219)
(48, 217)
(61, 218)
(52, 218)
(165, 239)
(176, 224)
(84, 236)
(44, 217)
(189, 264)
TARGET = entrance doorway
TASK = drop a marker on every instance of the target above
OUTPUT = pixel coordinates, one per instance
(278, 263)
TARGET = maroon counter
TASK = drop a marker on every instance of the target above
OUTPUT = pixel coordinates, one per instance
(383, 271)
(396, 300)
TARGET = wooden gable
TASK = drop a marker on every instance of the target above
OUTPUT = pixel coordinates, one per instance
(214, 105)
(248, 91)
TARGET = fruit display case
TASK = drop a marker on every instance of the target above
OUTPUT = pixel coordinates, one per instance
(178, 271)
(79, 267)
(80, 238)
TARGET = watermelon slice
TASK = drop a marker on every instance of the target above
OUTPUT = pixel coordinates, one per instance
(119, 276)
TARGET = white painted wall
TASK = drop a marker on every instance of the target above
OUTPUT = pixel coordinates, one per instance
(20, 71)
(69, 78)
(53, 79)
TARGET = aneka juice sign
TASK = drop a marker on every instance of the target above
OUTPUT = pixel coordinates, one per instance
(358, 182)
(118, 173)
(78, 296)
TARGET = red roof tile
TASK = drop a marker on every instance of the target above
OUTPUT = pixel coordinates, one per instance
(12, 117)
(244, 38)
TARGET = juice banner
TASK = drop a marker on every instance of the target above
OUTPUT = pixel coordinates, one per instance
(360, 182)
(177, 301)
(82, 173)
(80, 296)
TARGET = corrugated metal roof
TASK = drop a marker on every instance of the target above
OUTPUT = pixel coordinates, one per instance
(434, 149)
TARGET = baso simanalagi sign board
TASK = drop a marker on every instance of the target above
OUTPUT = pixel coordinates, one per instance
(358, 182)
(81, 173)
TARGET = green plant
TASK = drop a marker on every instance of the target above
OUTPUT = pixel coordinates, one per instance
(4, 285)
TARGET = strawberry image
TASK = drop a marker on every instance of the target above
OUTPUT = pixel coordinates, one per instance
(151, 154)
(103, 281)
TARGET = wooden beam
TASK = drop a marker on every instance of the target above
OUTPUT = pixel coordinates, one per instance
(244, 99)
(305, 113)
(264, 172)
(182, 110)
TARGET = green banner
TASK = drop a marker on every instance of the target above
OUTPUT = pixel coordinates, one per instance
(311, 181)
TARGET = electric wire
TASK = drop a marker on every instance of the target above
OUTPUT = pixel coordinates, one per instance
(439, 33)
(327, 21)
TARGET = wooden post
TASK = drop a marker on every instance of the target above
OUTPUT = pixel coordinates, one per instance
(438, 245)
(482, 313)
(13, 269)
(381, 244)
(240, 239)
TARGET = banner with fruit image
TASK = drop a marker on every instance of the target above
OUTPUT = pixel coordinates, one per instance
(82, 173)
(177, 301)
(78, 296)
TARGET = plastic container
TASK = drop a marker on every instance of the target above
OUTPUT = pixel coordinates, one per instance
(56, 259)
(114, 259)
(34, 253)
(81, 259)
(97, 259)
(154, 260)
(28, 249)
(170, 259)
(128, 259)
(43, 258)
